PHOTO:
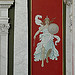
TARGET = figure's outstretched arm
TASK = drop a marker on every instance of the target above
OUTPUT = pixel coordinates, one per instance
(58, 39)
(38, 32)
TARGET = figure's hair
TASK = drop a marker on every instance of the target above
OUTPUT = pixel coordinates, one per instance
(47, 19)
(43, 23)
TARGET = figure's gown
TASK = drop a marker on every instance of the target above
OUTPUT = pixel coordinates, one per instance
(47, 41)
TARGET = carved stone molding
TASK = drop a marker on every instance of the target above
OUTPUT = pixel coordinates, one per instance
(68, 2)
(4, 26)
(6, 4)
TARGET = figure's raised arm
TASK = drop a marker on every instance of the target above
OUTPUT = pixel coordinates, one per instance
(38, 22)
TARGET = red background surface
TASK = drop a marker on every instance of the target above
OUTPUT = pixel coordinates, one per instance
(52, 8)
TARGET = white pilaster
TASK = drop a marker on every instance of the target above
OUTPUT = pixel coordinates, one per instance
(4, 26)
(3, 55)
(69, 19)
(69, 39)
(73, 37)
(21, 38)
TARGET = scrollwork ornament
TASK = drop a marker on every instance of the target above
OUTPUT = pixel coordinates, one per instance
(4, 27)
(68, 2)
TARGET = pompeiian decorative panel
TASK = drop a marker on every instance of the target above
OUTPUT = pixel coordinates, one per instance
(47, 34)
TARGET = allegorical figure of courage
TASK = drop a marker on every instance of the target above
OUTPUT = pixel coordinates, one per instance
(46, 47)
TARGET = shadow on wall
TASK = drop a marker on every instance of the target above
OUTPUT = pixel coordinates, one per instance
(11, 40)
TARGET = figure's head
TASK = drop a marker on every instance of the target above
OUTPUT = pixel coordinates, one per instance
(46, 21)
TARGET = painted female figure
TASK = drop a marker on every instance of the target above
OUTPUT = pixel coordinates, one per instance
(46, 48)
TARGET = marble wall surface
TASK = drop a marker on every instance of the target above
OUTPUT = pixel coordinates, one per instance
(21, 38)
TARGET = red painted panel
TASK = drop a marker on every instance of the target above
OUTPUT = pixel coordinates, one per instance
(52, 9)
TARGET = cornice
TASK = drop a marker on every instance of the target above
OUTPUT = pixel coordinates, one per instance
(6, 4)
